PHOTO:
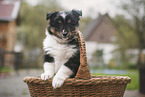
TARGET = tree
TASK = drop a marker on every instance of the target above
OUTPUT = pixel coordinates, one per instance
(135, 9)
(83, 23)
(124, 36)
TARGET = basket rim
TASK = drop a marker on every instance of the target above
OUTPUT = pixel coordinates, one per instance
(72, 81)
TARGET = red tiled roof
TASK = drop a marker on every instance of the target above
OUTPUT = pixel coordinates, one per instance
(9, 11)
(6, 11)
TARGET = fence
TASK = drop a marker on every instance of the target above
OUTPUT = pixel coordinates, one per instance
(11, 59)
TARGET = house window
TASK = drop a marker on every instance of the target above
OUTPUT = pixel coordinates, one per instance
(101, 37)
(100, 53)
(2, 36)
(113, 39)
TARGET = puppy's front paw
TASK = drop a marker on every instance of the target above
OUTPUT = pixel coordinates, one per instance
(57, 82)
(45, 76)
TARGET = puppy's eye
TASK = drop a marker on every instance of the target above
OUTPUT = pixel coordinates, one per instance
(68, 21)
(59, 22)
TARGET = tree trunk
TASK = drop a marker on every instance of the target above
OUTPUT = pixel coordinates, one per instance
(142, 80)
(141, 64)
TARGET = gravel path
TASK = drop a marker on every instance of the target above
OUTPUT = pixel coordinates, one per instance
(133, 93)
(13, 85)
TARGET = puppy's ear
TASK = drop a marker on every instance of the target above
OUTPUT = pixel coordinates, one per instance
(51, 14)
(77, 13)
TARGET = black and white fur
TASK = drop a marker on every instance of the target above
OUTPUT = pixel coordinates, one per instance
(61, 47)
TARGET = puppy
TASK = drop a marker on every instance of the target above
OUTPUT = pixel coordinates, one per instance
(61, 47)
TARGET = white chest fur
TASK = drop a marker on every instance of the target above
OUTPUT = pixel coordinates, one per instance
(60, 52)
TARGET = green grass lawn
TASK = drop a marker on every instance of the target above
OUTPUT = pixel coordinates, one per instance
(133, 74)
(5, 70)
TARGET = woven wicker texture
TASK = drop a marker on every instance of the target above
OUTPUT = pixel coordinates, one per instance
(104, 86)
(83, 85)
(83, 71)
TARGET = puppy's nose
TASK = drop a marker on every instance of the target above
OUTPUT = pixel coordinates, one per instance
(64, 33)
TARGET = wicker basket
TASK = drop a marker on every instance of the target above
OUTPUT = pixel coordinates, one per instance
(82, 85)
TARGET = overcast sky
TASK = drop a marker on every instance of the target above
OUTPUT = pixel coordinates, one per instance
(93, 7)
(90, 7)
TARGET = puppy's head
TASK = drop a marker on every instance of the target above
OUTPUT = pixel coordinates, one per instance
(63, 24)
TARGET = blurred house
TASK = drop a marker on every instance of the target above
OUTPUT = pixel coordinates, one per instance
(9, 19)
(99, 35)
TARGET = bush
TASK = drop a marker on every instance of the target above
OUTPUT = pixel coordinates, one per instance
(131, 66)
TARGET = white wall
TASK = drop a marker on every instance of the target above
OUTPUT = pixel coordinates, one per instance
(91, 48)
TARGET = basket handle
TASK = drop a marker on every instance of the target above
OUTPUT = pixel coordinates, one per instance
(83, 71)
